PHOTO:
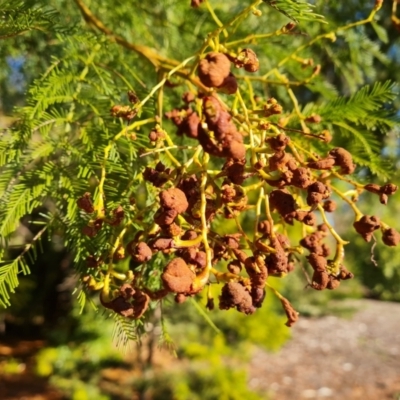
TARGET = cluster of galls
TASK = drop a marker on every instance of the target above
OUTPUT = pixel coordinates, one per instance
(129, 301)
(186, 274)
(368, 224)
(336, 157)
(326, 275)
(126, 112)
(215, 69)
(272, 254)
(216, 133)
(178, 229)
(318, 192)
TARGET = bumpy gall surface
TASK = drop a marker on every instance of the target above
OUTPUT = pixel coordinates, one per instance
(174, 199)
(214, 69)
(234, 295)
(178, 277)
(366, 226)
(391, 237)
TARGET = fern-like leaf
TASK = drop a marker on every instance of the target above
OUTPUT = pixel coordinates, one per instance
(364, 107)
(125, 331)
(296, 10)
(17, 17)
(9, 278)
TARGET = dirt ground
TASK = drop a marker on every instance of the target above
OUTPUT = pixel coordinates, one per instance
(336, 358)
(328, 358)
(24, 384)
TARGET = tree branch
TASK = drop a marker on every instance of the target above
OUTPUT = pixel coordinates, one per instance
(150, 54)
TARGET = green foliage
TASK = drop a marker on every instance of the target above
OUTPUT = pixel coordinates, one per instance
(382, 280)
(310, 303)
(199, 381)
(198, 339)
(9, 278)
(11, 366)
(77, 367)
(364, 107)
(18, 17)
(357, 120)
(125, 331)
(296, 10)
(74, 357)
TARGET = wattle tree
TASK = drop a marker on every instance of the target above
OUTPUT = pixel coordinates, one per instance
(177, 149)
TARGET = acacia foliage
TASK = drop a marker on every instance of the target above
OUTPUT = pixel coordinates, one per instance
(81, 62)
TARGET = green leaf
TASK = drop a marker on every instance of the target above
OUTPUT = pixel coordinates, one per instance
(125, 331)
(365, 107)
(381, 32)
(296, 10)
(9, 278)
(17, 17)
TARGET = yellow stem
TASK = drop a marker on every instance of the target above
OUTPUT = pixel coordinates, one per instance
(258, 212)
(188, 243)
(246, 117)
(215, 18)
(193, 158)
(203, 276)
(297, 109)
(268, 214)
(253, 38)
(161, 149)
(338, 239)
(357, 212)
(330, 35)
(255, 186)
(276, 293)
(162, 82)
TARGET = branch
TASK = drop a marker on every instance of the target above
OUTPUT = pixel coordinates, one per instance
(150, 54)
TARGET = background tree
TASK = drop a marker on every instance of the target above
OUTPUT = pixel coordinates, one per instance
(326, 71)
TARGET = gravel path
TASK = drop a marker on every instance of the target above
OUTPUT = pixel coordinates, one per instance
(328, 358)
(336, 358)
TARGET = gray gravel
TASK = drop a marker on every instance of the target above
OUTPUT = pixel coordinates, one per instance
(336, 358)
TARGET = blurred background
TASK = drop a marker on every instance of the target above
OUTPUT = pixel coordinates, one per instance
(346, 344)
